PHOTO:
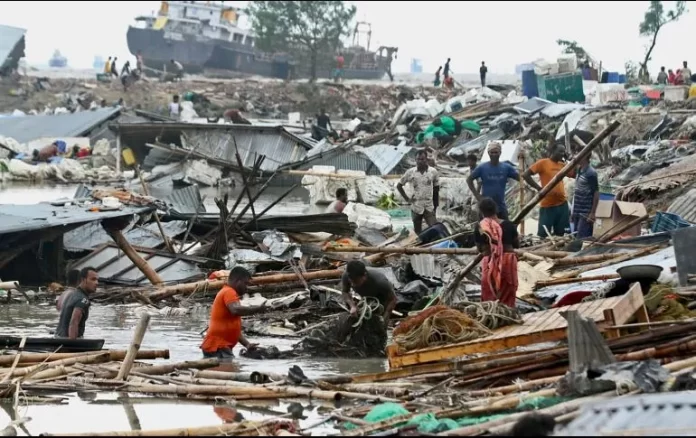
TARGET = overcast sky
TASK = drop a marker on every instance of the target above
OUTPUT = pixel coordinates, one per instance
(501, 33)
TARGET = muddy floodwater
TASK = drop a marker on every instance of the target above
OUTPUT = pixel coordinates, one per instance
(101, 411)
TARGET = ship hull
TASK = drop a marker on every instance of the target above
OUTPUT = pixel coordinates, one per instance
(198, 55)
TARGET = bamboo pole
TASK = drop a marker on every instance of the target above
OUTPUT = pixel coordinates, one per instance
(521, 186)
(585, 152)
(94, 358)
(16, 360)
(114, 355)
(571, 261)
(639, 220)
(134, 257)
(450, 251)
(211, 285)
(622, 258)
(555, 282)
(221, 429)
(138, 336)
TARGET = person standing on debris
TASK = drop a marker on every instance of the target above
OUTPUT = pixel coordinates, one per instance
(73, 281)
(323, 126)
(125, 71)
(174, 107)
(114, 69)
(671, 77)
(426, 191)
(75, 306)
(585, 200)
(338, 73)
(340, 202)
(178, 70)
(554, 213)
(686, 74)
(483, 71)
(493, 176)
(225, 327)
(662, 76)
(139, 61)
(446, 73)
(497, 239)
(367, 283)
(436, 82)
(107, 66)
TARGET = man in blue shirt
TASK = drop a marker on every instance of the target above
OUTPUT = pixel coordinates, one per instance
(493, 176)
(585, 200)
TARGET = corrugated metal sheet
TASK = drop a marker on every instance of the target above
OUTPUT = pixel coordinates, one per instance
(115, 267)
(27, 128)
(279, 149)
(92, 235)
(685, 206)
(426, 266)
(14, 218)
(386, 157)
(186, 201)
(9, 37)
(669, 414)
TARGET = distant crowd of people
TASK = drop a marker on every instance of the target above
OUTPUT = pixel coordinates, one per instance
(449, 80)
(682, 76)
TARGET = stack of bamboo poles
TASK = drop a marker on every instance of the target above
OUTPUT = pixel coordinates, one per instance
(485, 383)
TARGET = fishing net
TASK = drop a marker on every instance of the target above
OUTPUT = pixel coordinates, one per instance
(363, 335)
(662, 304)
(437, 326)
(490, 314)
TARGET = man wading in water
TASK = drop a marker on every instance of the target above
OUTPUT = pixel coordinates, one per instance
(75, 306)
(225, 328)
(368, 283)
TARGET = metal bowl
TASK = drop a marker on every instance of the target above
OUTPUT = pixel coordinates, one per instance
(640, 272)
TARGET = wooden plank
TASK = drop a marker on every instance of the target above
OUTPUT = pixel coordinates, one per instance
(538, 327)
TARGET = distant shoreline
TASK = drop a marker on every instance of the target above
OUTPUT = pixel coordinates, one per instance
(471, 79)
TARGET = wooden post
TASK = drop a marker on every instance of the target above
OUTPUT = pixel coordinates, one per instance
(134, 257)
(566, 169)
(521, 183)
(118, 152)
(140, 330)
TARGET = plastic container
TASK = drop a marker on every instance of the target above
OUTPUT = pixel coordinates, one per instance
(529, 84)
(668, 222)
(128, 157)
(606, 196)
(622, 79)
(613, 77)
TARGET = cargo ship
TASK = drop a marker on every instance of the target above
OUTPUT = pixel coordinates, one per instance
(206, 36)
(58, 60)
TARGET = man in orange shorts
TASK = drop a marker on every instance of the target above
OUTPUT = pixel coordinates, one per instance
(225, 328)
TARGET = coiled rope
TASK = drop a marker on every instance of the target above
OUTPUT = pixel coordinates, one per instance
(436, 326)
(490, 314)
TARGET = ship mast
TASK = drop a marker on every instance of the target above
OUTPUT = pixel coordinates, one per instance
(357, 32)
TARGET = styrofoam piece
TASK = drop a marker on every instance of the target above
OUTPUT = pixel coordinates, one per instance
(510, 151)
(365, 216)
(676, 93)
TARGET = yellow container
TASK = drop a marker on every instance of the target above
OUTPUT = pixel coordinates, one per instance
(692, 91)
(128, 157)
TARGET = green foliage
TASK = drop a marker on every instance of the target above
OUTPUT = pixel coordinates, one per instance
(315, 26)
(572, 47)
(654, 20)
(387, 202)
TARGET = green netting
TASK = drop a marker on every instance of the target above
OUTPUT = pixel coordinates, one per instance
(397, 213)
(428, 423)
(381, 412)
(472, 421)
(470, 125)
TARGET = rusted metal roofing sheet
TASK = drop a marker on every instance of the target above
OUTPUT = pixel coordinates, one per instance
(114, 267)
(685, 206)
(426, 266)
(185, 201)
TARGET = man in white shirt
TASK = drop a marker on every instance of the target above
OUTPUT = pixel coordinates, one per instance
(174, 107)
